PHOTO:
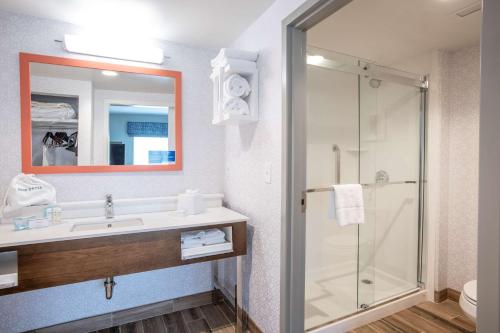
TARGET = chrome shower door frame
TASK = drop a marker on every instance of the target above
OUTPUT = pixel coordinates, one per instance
(294, 87)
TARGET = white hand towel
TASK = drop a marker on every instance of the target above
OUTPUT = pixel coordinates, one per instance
(346, 204)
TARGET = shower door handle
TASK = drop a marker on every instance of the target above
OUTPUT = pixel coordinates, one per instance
(336, 150)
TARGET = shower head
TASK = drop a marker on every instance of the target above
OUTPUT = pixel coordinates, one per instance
(374, 83)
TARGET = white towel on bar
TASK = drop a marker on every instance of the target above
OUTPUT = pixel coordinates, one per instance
(346, 204)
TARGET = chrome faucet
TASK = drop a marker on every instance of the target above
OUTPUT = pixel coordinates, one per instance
(109, 210)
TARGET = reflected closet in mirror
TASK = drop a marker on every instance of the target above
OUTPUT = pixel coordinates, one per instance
(84, 116)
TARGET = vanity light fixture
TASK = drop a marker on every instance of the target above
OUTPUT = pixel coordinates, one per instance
(113, 48)
(109, 73)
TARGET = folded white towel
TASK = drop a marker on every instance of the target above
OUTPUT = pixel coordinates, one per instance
(203, 234)
(346, 204)
(202, 238)
(190, 243)
(52, 110)
(46, 105)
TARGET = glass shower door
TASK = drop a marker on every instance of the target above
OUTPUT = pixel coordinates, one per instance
(331, 250)
(363, 127)
(389, 161)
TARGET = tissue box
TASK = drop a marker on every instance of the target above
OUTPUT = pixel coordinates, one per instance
(191, 202)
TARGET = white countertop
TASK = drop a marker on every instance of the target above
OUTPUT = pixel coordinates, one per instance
(151, 222)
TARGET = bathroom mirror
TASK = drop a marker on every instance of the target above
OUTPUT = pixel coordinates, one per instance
(84, 116)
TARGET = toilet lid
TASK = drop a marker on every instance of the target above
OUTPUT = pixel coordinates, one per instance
(470, 291)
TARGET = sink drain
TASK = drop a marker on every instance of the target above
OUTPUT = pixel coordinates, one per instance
(367, 281)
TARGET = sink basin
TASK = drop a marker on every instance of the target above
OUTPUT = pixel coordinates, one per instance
(107, 224)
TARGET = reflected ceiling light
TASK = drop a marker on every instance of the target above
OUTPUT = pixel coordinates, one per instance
(109, 73)
(315, 59)
(113, 48)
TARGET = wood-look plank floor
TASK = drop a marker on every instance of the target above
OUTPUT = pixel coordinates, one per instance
(426, 317)
(217, 318)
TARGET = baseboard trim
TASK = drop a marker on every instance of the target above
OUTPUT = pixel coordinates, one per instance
(130, 315)
(453, 295)
(247, 322)
(447, 293)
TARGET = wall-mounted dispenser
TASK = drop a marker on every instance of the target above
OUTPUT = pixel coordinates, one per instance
(236, 82)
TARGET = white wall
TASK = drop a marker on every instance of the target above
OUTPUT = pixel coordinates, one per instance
(460, 168)
(203, 168)
(247, 149)
(489, 182)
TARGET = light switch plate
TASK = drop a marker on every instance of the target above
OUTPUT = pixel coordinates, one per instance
(267, 173)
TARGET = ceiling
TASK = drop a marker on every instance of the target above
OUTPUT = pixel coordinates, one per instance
(123, 81)
(204, 23)
(391, 31)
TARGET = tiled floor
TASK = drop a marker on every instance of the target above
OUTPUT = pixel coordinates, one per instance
(217, 318)
(426, 317)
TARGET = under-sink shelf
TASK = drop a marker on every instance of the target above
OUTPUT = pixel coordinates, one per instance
(212, 249)
(207, 250)
(59, 262)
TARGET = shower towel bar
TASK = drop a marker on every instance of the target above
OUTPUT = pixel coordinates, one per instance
(303, 202)
(330, 189)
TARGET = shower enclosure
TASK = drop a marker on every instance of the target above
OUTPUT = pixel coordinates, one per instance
(365, 125)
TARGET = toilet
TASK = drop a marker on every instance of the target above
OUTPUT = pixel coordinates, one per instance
(468, 299)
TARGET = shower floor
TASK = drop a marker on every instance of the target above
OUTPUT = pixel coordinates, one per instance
(331, 294)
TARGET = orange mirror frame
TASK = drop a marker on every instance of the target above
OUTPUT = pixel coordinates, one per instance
(26, 131)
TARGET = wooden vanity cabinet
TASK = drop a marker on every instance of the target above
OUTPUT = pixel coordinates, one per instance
(50, 264)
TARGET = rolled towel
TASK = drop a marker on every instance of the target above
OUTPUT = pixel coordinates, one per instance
(346, 204)
(236, 86)
(236, 106)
